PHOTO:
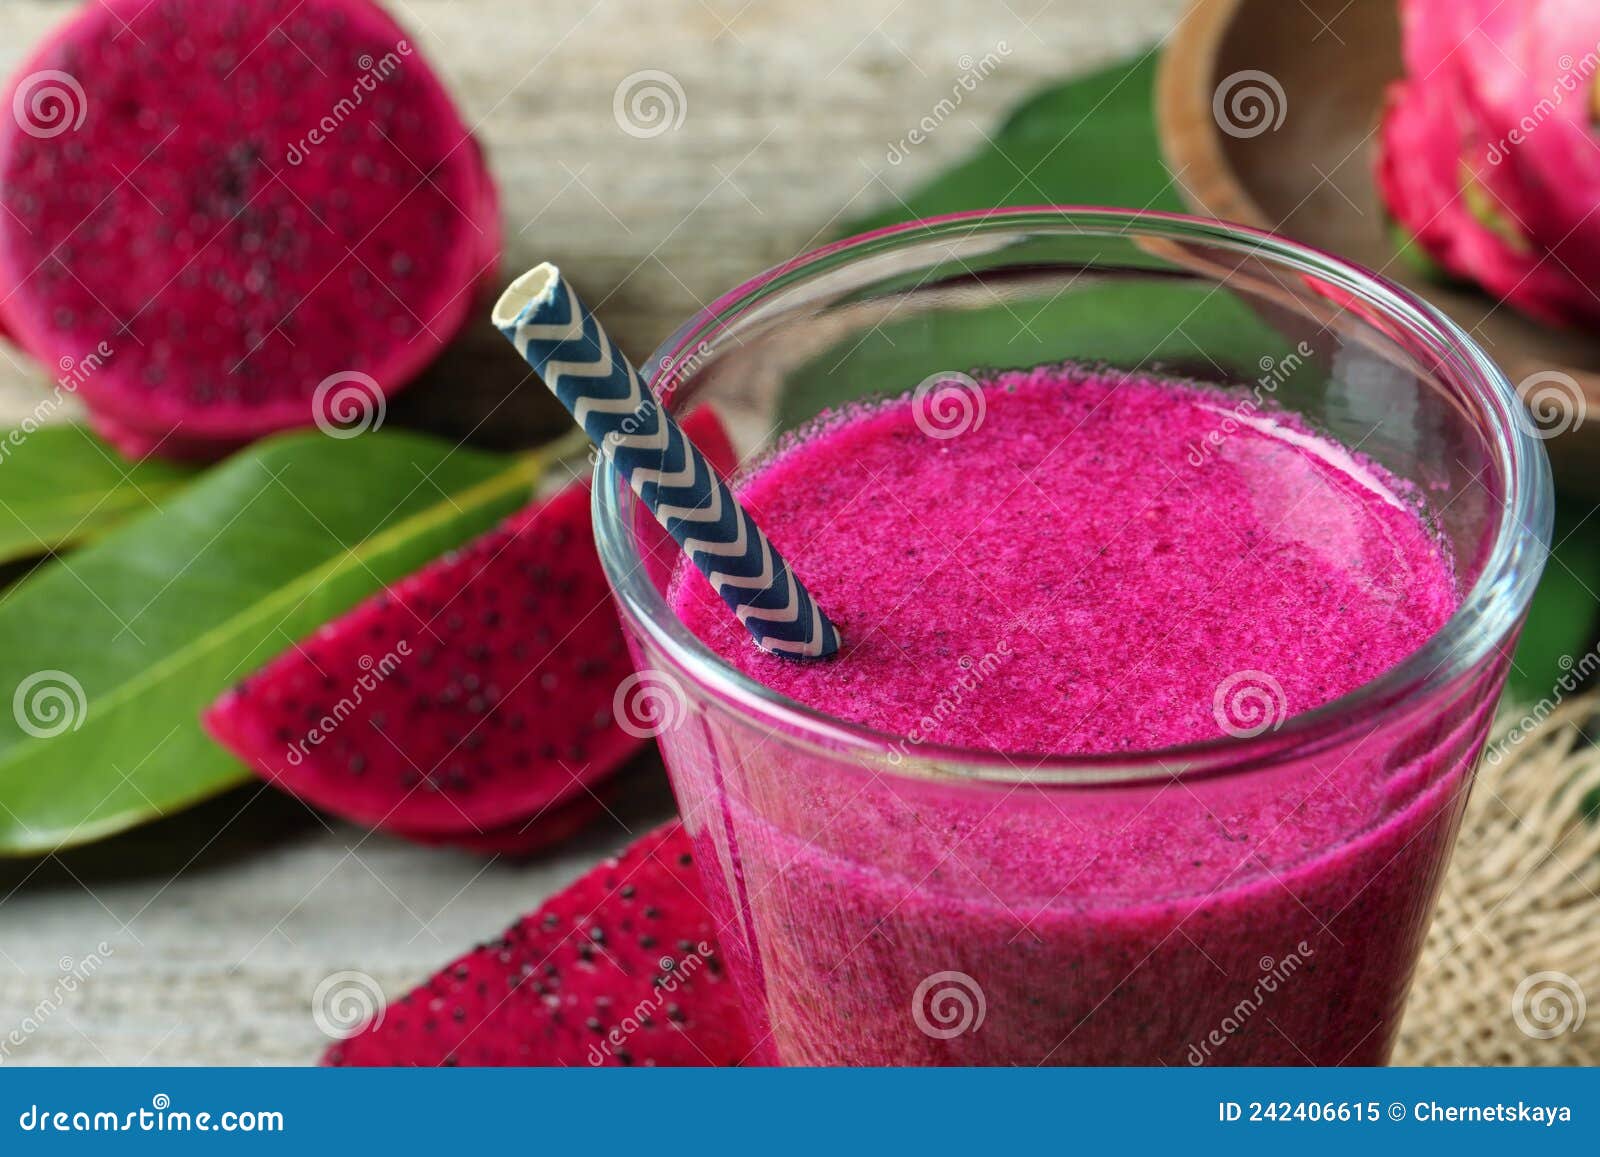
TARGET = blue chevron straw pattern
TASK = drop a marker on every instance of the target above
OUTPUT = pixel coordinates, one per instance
(556, 333)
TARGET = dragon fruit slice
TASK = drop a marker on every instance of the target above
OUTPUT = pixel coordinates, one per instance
(621, 968)
(471, 703)
(471, 695)
(213, 209)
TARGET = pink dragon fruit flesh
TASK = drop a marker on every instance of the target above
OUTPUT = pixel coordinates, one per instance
(212, 209)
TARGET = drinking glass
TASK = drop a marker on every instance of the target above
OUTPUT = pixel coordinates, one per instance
(1260, 898)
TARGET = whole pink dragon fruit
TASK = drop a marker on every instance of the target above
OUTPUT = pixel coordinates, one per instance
(1488, 155)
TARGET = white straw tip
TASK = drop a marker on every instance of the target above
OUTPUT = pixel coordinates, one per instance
(532, 288)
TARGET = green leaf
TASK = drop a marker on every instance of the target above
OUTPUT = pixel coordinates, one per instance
(1181, 328)
(1089, 141)
(1564, 620)
(61, 485)
(107, 656)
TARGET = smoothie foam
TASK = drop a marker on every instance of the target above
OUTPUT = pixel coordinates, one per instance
(1084, 570)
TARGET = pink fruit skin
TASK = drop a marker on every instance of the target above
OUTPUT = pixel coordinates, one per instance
(220, 274)
(554, 825)
(495, 729)
(621, 968)
(1486, 118)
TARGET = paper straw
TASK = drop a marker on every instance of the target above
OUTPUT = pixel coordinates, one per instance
(556, 333)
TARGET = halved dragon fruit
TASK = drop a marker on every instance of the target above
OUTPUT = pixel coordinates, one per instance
(621, 968)
(213, 209)
(472, 703)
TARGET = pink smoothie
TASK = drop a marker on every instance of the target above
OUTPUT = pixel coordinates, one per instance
(1089, 569)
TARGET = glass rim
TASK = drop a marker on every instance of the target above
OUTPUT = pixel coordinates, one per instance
(1489, 609)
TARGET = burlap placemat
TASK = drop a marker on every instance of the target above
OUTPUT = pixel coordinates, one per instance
(1513, 958)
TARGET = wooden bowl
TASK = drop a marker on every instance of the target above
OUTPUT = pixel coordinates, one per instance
(1310, 178)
